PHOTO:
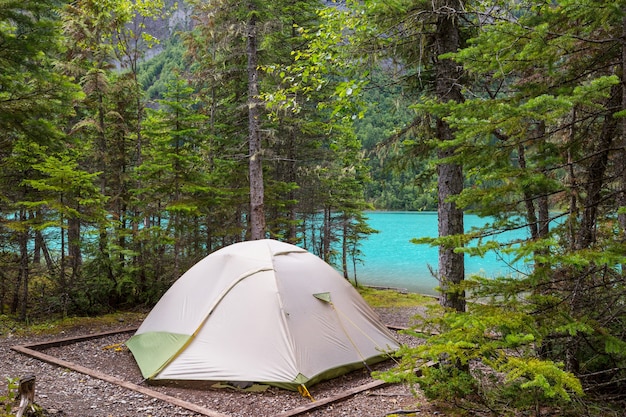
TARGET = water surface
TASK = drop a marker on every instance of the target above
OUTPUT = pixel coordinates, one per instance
(391, 260)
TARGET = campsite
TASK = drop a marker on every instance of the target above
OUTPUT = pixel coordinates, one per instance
(182, 162)
(65, 392)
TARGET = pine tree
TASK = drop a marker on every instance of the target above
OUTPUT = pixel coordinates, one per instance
(317, 101)
(69, 197)
(34, 95)
(537, 141)
(176, 192)
(105, 41)
(450, 178)
(283, 142)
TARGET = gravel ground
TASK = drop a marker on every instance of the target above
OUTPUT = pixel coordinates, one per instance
(63, 392)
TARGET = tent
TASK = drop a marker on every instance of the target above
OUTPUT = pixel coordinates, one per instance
(259, 311)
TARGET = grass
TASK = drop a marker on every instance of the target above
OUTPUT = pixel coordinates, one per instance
(38, 327)
(390, 298)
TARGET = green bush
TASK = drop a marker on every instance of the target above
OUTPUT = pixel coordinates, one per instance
(486, 356)
(8, 400)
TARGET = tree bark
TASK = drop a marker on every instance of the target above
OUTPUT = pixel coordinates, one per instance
(622, 154)
(24, 268)
(257, 212)
(344, 246)
(596, 173)
(450, 175)
(74, 247)
(326, 238)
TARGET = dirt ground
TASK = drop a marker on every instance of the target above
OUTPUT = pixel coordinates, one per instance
(64, 392)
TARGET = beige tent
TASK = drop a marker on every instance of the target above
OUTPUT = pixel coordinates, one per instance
(259, 311)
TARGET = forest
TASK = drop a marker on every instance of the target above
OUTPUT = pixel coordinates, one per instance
(140, 135)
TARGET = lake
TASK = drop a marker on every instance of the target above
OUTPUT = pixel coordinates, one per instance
(390, 259)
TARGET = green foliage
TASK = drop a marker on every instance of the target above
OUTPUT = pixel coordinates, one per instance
(155, 73)
(32, 91)
(546, 377)
(486, 353)
(8, 400)
(523, 137)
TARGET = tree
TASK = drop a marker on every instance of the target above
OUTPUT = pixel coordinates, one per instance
(292, 146)
(219, 75)
(418, 37)
(176, 187)
(235, 47)
(316, 100)
(69, 197)
(89, 28)
(30, 86)
(105, 41)
(255, 162)
(450, 178)
(538, 142)
(34, 95)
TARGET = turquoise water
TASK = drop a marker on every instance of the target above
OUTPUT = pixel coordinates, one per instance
(390, 259)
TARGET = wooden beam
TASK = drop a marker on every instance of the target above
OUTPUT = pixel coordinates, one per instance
(63, 341)
(339, 397)
(117, 381)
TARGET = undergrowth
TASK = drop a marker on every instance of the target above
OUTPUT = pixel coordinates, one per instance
(8, 399)
(10, 325)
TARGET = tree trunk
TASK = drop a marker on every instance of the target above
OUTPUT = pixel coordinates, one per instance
(257, 212)
(64, 286)
(327, 234)
(596, 173)
(344, 246)
(3, 291)
(24, 268)
(450, 175)
(74, 247)
(40, 242)
(621, 197)
(531, 213)
(103, 239)
(292, 166)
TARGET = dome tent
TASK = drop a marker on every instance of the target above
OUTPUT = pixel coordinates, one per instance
(259, 311)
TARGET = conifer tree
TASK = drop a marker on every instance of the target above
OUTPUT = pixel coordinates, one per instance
(34, 95)
(450, 178)
(316, 99)
(105, 41)
(418, 36)
(176, 190)
(70, 198)
(230, 82)
(537, 140)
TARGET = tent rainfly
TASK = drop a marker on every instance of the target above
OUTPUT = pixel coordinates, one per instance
(260, 311)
